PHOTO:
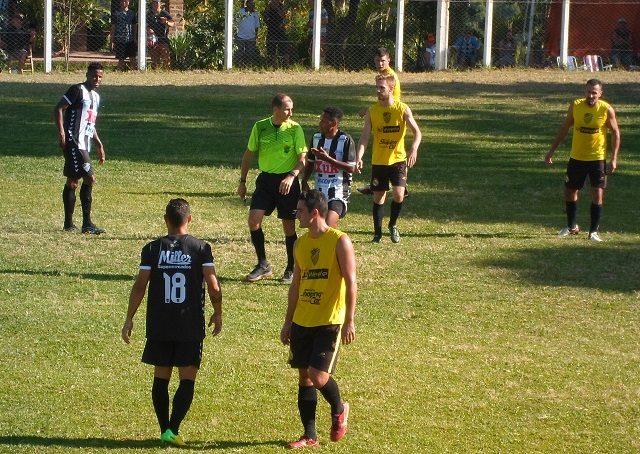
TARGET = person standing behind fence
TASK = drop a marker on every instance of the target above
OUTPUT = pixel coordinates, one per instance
(158, 23)
(123, 35)
(248, 21)
(277, 47)
(622, 44)
(467, 47)
(589, 117)
(16, 40)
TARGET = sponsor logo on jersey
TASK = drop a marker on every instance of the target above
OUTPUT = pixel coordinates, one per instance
(311, 296)
(174, 259)
(390, 129)
(316, 273)
(315, 255)
(585, 130)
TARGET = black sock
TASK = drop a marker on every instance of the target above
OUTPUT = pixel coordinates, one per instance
(572, 209)
(160, 398)
(378, 214)
(257, 238)
(307, 402)
(181, 403)
(596, 212)
(331, 393)
(85, 201)
(69, 202)
(395, 212)
(290, 241)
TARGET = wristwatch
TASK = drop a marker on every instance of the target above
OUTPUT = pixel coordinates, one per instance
(293, 174)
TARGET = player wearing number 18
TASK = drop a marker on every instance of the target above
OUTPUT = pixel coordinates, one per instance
(175, 266)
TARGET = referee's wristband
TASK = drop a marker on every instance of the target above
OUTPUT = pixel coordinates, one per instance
(293, 174)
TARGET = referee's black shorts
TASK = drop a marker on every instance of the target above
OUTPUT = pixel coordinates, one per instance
(172, 353)
(267, 195)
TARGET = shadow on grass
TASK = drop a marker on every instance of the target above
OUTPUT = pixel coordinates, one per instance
(217, 195)
(110, 443)
(446, 235)
(597, 266)
(57, 273)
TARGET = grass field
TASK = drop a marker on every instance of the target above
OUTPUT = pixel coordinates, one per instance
(480, 331)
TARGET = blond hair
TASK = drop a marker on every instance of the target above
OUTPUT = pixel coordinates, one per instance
(388, 78)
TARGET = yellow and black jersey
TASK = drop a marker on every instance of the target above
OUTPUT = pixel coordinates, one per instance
(389, 128)
(589, 141)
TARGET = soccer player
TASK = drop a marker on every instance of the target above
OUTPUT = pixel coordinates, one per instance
(332, 157)
(387, 120)
(75, 117)
(176, 266)
(279, 143)
(320, 313)
(589, 117)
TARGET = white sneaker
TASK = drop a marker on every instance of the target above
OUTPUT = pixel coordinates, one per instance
(593, 236)
(566, 231)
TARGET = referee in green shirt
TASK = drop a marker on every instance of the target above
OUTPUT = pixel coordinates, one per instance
(280, 145)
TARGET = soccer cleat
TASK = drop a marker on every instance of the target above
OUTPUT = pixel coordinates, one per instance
(287, 277)
(92, 229)
(366, 190)
(566, 231)
(395, 235)
(377, 238)
(259, 272)
(169, 437)
(339, 423)
(70, 228)
(303, 442)
(593, 236)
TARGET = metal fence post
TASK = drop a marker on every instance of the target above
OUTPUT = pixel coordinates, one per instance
(48, 34)
(564, 33)
(315, 37)
(399, 35)
(142, 35)
(488, 33)
(228, 34)
(442, 34)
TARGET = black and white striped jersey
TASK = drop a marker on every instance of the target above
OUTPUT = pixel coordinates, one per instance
(332, 181)
(80, 116)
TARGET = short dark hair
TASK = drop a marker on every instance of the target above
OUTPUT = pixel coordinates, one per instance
(382, 52)
(594, 82)
(314, 199)
(177, 212)
(334, 113)
(94, 66)
(278, 100)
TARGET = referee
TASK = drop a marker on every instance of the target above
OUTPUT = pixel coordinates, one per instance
(320, 313)
(176, 267)
(279, 143)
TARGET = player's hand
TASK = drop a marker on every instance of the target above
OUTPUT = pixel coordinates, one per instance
(126, 330)
(101, 155)
(320, 153)
(305, 186)
(613, 165)
(547, 158)
(286, 183)
(348, 332)
(412, 157)
(285, 333)
(216, 321)
(242, 191)
(62, 140)
(359, 165)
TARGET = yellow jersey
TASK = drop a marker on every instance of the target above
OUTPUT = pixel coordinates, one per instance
(322, 291)
(589, 142)
(389, 128)
(396, 89)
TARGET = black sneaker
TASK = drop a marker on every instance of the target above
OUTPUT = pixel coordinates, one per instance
(259, 272)
(287, 277)
(92, 229)
(377, 238)
(366, 190)
(395, 235)
(70, 228)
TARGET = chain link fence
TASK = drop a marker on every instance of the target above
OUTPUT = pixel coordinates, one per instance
(190, 34)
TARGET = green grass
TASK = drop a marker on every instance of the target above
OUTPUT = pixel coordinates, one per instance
(480, 331)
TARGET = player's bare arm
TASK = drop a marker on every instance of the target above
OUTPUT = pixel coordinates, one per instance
(135, 298)
(321, 154)
(247, 159)
(215, 296)
(101, 155)
(58, 116)
(306, 173)
(363, 142)
(562, 133)
(347, 261)
(612, 124)
(412, 156)
(292, 301)
(285, 184)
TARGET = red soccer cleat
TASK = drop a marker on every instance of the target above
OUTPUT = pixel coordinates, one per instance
(339, 425)
(303, 442)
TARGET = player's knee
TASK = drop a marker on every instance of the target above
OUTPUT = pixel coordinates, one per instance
(318, 378)
(72, 184)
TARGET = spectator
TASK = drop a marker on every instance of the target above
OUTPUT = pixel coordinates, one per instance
(622, 44)
(427, 56)
(507, 50)
(274, 17)
(16, 39)
(248, 21)
(123, 35)
(324, 20)
(467, 47)
(158, 23)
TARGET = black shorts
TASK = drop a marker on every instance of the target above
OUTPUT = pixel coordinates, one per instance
(339, 206)
(125, 50)
(267, 195)
(172, 353)
(382, 175)
(315, 347)
(577, 172)
(77, 163)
